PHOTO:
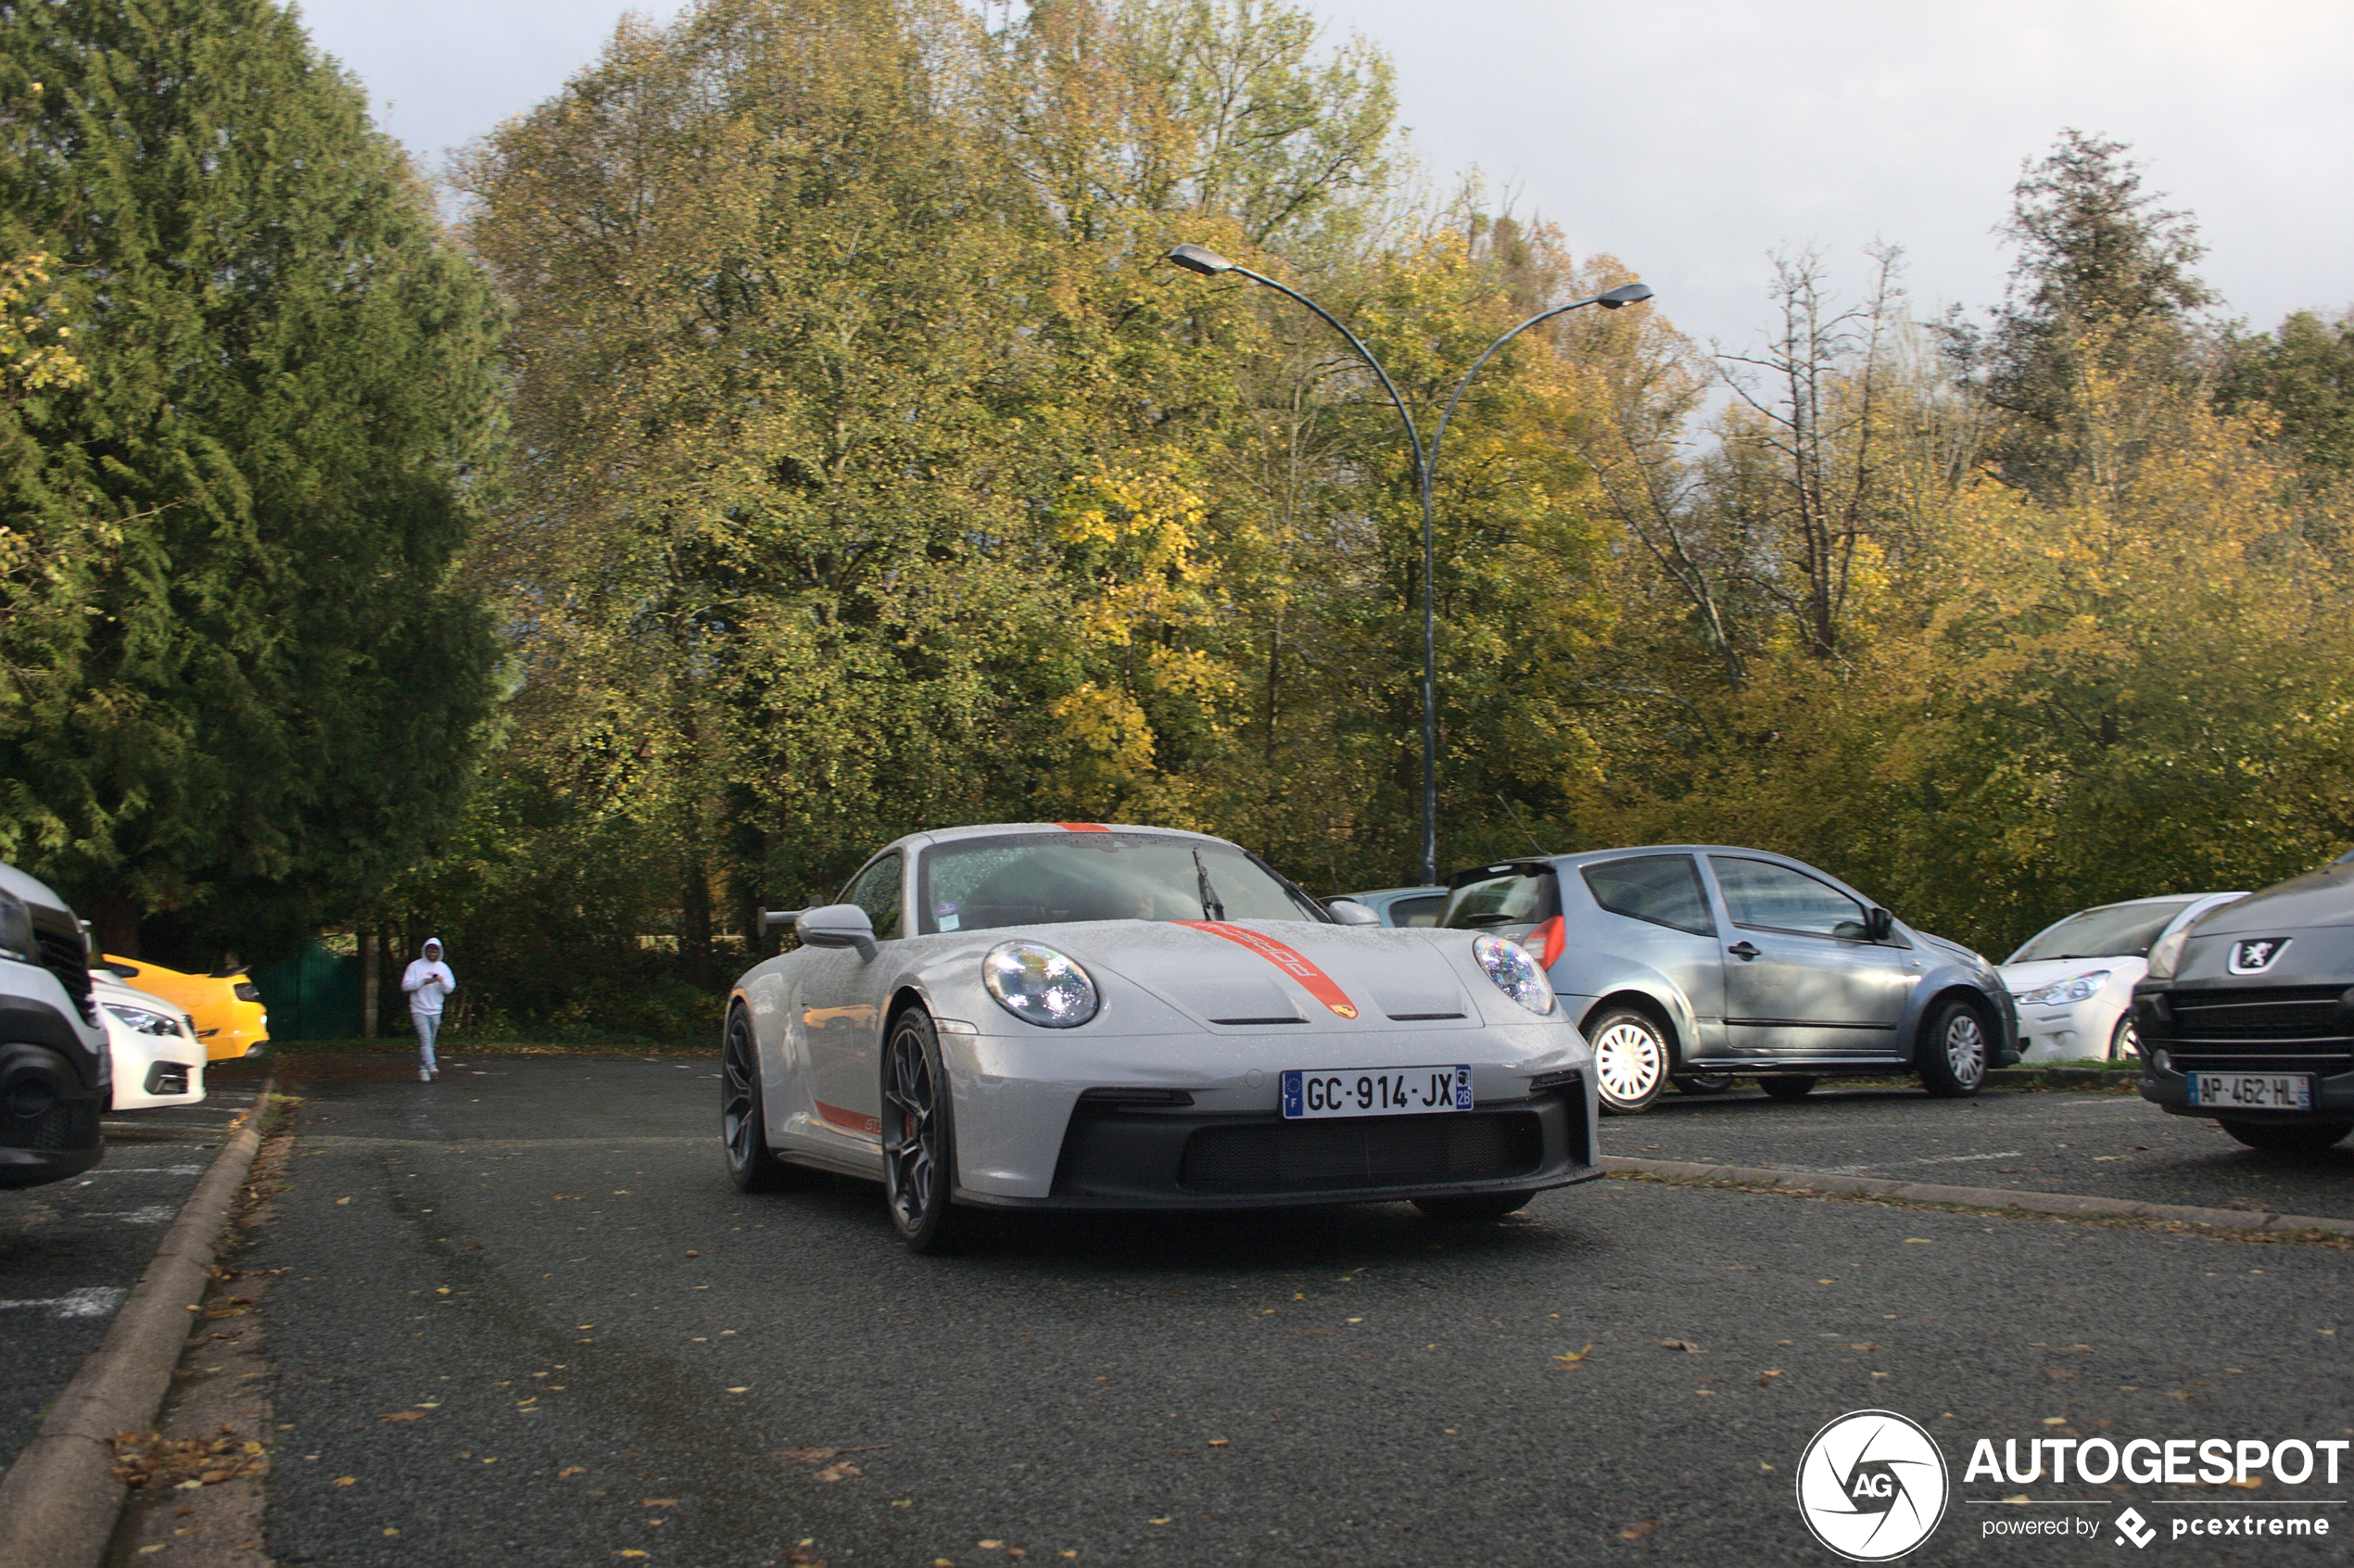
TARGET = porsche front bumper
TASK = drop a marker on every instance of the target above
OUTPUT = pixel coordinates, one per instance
(1120, 1155)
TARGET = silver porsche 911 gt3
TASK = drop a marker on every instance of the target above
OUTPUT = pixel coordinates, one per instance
(1068, 1016)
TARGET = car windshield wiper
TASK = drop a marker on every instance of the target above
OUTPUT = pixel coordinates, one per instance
(1210, 908)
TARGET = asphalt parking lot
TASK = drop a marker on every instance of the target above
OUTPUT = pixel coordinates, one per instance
(520, 1313)
(70, 1251)
(2100, 1144)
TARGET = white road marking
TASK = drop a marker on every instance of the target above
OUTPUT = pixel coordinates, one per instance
(153, 1214)
(1939, 1159)
(147, 1170)
(90, 1301)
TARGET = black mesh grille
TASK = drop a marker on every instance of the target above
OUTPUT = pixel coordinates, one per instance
(65, 954)
(2286, 1013)
(65, 1125)
(1291, 1157)
(2262, 1029)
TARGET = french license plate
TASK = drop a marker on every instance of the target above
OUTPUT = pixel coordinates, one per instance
(2251, 1091)
(1420, 1091)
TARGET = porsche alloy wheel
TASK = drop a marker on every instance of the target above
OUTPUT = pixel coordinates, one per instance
(1955, 1055)
(918, 1141)
(1630, 1060)
(752, 1165)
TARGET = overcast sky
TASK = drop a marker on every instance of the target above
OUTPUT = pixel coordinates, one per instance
(1692, 138)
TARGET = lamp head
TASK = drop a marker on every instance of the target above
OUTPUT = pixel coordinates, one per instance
(1624, 293)
(1196, 258)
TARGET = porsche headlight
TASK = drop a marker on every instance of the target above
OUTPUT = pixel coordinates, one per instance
(2061, 992)
(1039, 985)
(2167, 953)
(1517, 974)
(141, 1020)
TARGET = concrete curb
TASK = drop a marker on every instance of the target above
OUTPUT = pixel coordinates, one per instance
(1980, 1197)
(59, 1500)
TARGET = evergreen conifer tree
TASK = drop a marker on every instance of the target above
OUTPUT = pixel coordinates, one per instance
(238, 671)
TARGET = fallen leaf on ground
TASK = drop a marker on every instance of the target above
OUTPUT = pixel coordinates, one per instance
(657, 1502)
(838, 1471)
(1637, 1532)
(1571, 1357)
(347, 1480)
(568, 1471)
(403, 1415)
(1684, 1345)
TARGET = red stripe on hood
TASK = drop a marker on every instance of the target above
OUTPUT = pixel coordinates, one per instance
(1318, 983)
(1082, 827)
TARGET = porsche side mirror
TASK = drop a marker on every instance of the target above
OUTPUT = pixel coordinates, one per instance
(1878, 924)
(1348, 912)
(837, 924)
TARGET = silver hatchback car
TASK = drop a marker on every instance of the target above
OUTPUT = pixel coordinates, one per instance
(1693, 964)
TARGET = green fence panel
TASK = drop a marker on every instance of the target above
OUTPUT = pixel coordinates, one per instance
(314, 995)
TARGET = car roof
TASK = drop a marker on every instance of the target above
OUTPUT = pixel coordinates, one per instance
(1018, 830)
(1593, 858)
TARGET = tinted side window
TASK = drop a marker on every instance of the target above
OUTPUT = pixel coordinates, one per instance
(875, 891)
(1760, 894)
(1662, 888)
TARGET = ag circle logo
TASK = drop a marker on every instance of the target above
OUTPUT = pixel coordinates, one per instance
(1872, 1486)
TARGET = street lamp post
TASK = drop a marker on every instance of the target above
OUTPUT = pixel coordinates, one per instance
(1196, 258)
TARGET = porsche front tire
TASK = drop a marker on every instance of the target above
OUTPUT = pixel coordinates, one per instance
(752, 1166)
(918, 1136)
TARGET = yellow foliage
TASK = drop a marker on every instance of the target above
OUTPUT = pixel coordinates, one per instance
(27, 305)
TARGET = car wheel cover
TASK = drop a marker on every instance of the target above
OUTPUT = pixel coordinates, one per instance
(2126, 1041)
(739, 1105)
(1966, 1047)
(1629, 1058)
(911, 1130)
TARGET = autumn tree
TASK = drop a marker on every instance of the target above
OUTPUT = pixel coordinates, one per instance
(2102, 282)
(272, 689)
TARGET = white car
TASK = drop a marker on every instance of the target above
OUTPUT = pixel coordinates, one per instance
(1068, 1016)
(2073, 981)
(157, 1058)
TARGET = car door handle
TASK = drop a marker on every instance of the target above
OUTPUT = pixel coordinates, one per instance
(1743, 951)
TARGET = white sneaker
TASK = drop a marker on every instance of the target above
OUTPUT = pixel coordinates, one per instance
(425, 1075)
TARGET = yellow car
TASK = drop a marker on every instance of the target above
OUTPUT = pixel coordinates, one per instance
(229, 1017)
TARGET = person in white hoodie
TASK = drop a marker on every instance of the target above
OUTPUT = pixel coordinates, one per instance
(427, 980)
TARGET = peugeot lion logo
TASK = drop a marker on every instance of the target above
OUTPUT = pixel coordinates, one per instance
(2256, 956)
(1872, 1486)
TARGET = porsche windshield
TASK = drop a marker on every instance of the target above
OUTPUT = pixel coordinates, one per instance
(1047, 879)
